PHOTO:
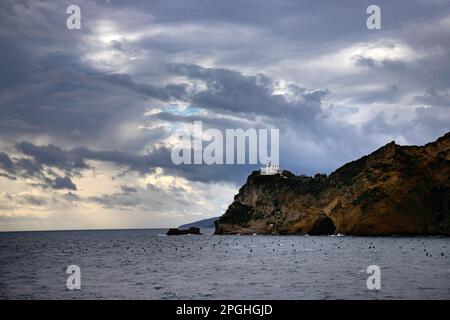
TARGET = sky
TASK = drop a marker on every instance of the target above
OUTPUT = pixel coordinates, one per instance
(87, 115)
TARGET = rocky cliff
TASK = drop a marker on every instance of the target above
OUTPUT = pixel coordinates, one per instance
(396, 190)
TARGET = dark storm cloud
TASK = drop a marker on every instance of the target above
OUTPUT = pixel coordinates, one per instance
(63, 95)
(67, 96)
(33, 167)
(6, 163)
(48, 88)
(232, 92)
(23, 166)
(80, 92)
(323, 20)
(15, 64)
(27, 167)
(74, 160)
(7, 176)
(213, 121)
(53, 156)
(63, 183)
(172, 91)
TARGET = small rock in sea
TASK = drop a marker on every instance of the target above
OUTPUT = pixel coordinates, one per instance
(442, 254)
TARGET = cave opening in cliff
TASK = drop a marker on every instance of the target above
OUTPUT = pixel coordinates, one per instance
(323, 226)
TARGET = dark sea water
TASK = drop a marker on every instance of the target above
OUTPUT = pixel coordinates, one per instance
(144, 264)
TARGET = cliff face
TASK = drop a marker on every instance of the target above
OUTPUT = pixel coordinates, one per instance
(396, 190)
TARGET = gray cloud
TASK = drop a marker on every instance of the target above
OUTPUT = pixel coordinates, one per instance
(71, 197)
(232, 92)
(74, 160)
(128, 189)
(63, 183)
(6, 163)
(152, 198)
(395, 64)
(172, 91)
(120, 200)
(32, 200)
(435, 98)
(53, 156)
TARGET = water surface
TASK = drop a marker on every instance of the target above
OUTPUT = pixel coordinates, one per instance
(144, 264)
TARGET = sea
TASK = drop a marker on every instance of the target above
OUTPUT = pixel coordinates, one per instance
(147, 264)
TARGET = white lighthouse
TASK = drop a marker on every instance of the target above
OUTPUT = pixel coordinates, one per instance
(270, 169)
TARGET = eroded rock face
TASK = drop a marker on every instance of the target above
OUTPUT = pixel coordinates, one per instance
(402, 190)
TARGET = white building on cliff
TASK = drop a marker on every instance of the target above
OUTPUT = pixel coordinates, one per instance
(270, 169)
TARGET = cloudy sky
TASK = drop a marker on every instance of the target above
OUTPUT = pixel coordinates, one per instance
(87, 116)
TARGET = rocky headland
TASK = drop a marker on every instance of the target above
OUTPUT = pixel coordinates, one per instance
(396, 190)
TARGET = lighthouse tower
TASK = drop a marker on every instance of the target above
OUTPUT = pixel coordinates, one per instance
(270, 169)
